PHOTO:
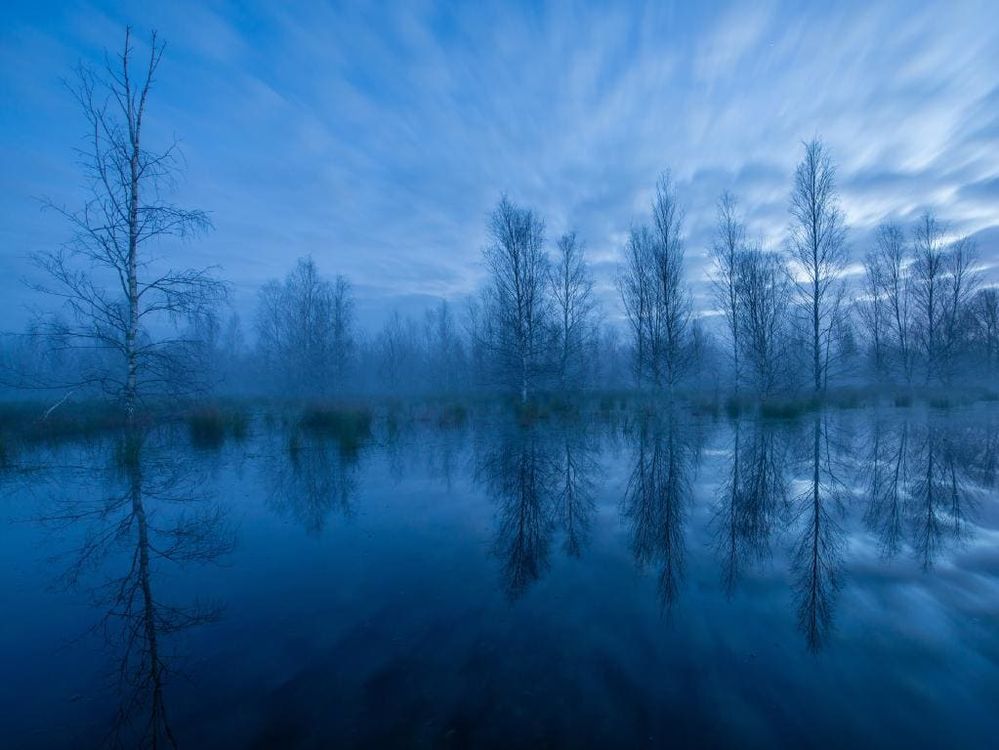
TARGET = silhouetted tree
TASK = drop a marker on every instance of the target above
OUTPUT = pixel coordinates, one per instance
(574, 310)
(985, 314)
(517, 312)
(656, 299)
(887, 314)
(817, 247)
(305, 330)
(117, 297)
(764, 295)
(729, 243)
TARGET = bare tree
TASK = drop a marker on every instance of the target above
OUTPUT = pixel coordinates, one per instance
(342, 330)
(674, 298)
(517, 309)
(637, 290)
(656, 299)
(730, 240)
(945, 280)
(765, 292)
(304, 329)
(575, 308)
(985, 310)
(962, 281)
(874, 313)
(116, 294)
(817, 246)
(888, 270)
(444, 349)
(398, 355)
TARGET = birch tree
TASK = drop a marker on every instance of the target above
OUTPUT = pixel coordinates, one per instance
(985, 311)
(117, 295)
(517, 310)
(574, 309)
(891, 274)
(929, 292)
(764, 292)
(672, 294)
(817, 244)
(654, 293)
(729, 242)
(304, 330)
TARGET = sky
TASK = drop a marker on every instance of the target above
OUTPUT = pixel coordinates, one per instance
(376, 137)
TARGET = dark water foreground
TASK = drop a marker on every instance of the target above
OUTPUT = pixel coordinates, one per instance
(628, 582)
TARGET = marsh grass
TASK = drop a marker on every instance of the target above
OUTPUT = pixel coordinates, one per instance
(210, 426)
(28, 423)
(350, 426)
(788, 408)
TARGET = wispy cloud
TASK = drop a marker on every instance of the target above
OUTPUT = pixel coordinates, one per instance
(377, 138)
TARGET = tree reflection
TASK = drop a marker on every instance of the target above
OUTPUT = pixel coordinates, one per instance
(575, 487)
(154, 516)
(817, 556)
(751, 499)
(542, 480)
(922, 481)
(312, 476)
(656, 498)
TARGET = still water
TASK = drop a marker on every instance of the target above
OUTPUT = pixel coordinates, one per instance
(615, 582)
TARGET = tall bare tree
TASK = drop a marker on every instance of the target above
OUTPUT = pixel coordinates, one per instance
(962, 281)
(116, 294)
(655, 296)
(945, 281)
(874, 313)
(888, 271)
(729, 242)
(817, 244)
(674, 297)
(574, 309)
(517, 308)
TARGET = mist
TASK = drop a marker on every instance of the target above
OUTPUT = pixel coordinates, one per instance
(499, 377)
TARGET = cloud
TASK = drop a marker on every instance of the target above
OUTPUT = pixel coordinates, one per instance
(377, 137)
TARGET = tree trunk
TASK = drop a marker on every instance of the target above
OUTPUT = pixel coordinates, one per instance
(131, 336)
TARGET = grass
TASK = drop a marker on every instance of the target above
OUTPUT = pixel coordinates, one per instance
(788, 408)
(452, 415)
(28, 422)
(211, 426)
(350, 426)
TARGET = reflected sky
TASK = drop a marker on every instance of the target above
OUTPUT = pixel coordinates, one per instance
(629, 580)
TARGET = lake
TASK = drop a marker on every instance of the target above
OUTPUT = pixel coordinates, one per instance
(622, 580)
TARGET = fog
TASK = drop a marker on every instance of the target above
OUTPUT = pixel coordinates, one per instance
(746, 498)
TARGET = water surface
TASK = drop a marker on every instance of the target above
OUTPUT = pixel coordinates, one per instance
(616, 581)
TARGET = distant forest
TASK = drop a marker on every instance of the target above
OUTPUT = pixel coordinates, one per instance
(117, 321)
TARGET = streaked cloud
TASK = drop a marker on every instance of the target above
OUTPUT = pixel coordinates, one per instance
(377, 137)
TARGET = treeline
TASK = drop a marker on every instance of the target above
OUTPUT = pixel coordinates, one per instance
(797, 318)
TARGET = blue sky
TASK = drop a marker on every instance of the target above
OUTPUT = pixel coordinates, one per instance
(376, 137)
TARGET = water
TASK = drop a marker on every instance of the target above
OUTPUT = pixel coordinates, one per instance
(615, 582)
